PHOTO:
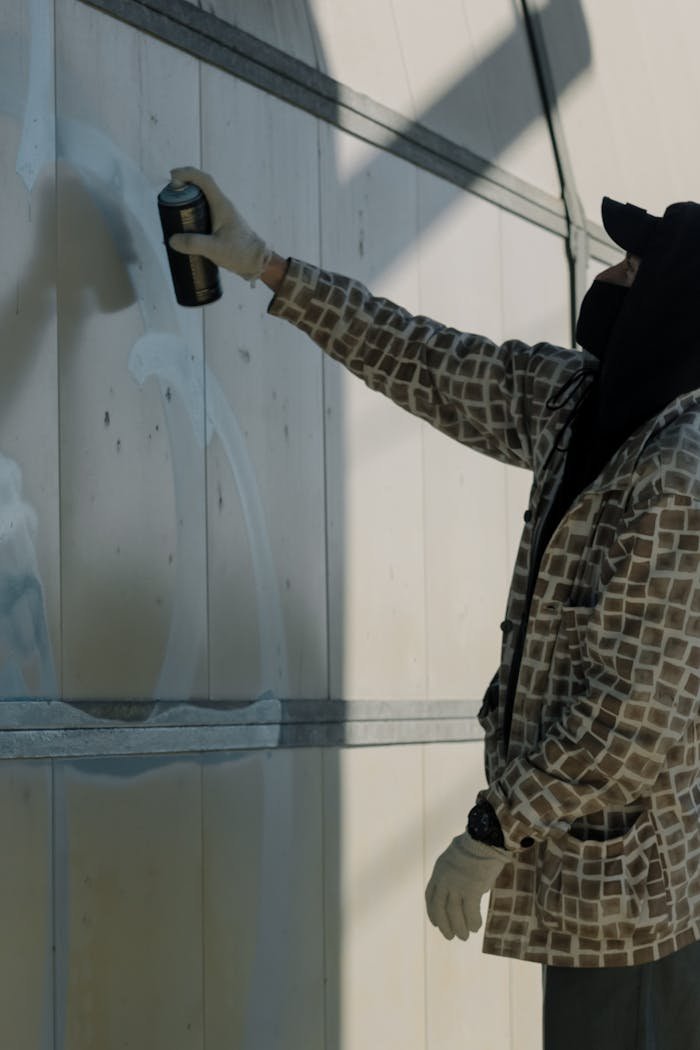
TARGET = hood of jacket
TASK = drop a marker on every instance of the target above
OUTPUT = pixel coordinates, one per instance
(653, 354)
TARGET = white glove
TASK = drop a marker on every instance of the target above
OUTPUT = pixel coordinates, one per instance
(231, 243)
(461, 876)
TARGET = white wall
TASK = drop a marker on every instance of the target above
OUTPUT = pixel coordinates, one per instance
(196, 505)
(630, 117)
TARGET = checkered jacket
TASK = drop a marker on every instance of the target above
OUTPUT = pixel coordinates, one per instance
(598, 794)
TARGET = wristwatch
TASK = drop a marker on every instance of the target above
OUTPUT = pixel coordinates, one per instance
(483, 825)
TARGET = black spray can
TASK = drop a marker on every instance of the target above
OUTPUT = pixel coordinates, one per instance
(183, 208)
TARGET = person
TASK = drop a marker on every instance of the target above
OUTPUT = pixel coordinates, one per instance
(587, 833)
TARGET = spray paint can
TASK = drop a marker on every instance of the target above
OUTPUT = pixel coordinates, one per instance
(183, 208)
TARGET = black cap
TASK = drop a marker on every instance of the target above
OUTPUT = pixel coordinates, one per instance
(628, 225)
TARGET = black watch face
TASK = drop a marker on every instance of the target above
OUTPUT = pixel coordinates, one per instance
(483, 823)
(479, 822)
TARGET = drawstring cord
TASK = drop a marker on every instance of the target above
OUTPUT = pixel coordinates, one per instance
(567, 391)
(560, 398)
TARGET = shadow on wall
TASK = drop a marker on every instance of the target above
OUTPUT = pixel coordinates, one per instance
(512, 110)
(486, 109)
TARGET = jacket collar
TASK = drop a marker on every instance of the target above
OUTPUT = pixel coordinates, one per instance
(618, 473)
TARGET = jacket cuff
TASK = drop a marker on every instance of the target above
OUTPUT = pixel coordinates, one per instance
(517, 834)
(296, 292)
(521, 824)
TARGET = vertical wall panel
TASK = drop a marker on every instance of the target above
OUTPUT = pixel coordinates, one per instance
(131, 379)
(374, 473)
(374, 898)
(359, 47)
(465, 491)
(267, 560)
(263, 901)
(526, 994)
(467, 993)
(535, 282)
(627, 121)
(129, 894)
(26, 972)
(29, 533)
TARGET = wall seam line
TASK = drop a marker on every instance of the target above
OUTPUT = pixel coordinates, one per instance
(577, 240)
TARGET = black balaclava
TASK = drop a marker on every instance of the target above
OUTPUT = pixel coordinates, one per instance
(631, 228)
(646, 338)
(653, 353)
(598, 315)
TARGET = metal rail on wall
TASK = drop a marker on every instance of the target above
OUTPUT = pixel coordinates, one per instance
(83, 729)
(578, 246)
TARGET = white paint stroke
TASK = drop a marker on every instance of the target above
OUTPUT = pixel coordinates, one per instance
(26, 663)
(37, 145)
(273, 648)
(128, 203)
(168, 358)
(26, 659)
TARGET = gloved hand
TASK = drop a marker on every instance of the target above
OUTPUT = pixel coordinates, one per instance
(231, 243)
(461, 876)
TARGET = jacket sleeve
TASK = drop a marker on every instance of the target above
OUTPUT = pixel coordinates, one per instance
(640, 651)
(492, 398)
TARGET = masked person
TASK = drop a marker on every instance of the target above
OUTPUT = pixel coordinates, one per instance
(587, 834)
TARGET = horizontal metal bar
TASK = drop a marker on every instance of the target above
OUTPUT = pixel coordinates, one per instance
(41, 729)
(601, 247)
(267, 710)
(216, 42)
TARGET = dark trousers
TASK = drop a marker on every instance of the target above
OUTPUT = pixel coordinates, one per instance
(650, 1007)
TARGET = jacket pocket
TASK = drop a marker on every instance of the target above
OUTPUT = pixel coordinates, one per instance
(604, 889)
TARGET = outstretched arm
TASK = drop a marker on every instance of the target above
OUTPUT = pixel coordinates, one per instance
(490, 397)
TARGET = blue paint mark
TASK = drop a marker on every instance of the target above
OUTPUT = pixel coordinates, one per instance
(38, 130)
(26, 662)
